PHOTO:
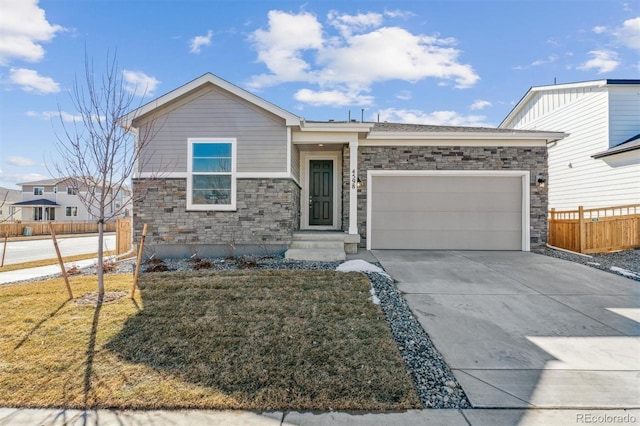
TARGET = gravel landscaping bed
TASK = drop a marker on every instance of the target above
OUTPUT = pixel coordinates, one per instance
(625, 263)
(437, 386)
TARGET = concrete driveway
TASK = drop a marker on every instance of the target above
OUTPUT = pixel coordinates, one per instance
(526, 330)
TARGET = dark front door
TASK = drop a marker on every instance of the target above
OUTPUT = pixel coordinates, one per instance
(321, 192)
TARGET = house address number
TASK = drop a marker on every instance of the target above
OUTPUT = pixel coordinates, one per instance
(354, 180)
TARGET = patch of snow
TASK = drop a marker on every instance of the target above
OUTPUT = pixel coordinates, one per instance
(374, 298)
(360, 265)
(625, 272)
(593, 263)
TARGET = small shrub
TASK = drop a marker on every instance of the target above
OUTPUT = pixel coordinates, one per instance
(156, 265)
(202, 264)
(109, 266)
(74, 270)
(246, 262)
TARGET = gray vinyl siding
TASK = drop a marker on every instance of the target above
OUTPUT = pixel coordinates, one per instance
(211, 112)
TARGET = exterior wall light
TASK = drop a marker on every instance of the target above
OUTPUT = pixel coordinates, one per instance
(541, 181)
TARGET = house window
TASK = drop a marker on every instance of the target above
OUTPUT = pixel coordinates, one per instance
(38, 190)
(55, 189)
(72, 211)
(211, 182)
(37, 213)
(71, 191)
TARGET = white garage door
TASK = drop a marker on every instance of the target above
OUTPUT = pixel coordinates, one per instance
(449, 212)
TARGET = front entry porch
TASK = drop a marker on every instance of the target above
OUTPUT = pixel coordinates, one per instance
(328, 191)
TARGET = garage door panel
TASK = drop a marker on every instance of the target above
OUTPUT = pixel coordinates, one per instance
(445, 184)
(447, 240)
(435, 202)
(447, 221)
(450, 212)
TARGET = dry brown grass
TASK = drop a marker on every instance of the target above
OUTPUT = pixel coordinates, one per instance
(305, 340)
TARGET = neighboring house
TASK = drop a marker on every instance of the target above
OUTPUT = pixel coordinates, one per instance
(59, 200)
(598, 164)
(246, 174)
(7, 198)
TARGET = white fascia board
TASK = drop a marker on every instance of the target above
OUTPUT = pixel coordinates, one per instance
(458, 137)
(336, 127)
(323, 137)
(290, 119)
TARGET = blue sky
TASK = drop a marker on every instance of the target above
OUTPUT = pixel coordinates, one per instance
(438, 62)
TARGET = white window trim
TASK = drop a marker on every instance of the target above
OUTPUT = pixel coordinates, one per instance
(72, 215)
(211, 207)
(41, 188)
(305, 158)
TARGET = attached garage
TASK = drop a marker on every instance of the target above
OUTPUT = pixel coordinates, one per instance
(448, 210)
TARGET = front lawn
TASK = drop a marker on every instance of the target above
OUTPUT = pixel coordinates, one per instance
(263, 340)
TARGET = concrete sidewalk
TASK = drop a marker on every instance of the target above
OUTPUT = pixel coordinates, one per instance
(34, 274)
(474, 417)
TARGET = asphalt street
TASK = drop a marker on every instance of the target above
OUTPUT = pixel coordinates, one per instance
(31, 250)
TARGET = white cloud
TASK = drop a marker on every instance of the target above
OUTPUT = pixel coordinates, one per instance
(399, 14)
(438, 118)
(198, 42)
(281, 47)
(404, 95)
(16, 178)
(480, 104)
(392, 53)
(31, 81)
(602, 61)
(297, 48)
(139, 83)
(332, 98)
(629, 33)
(599, 29)
(24, 27)
(57, 115)
(20, 161)
(537, 62)
(349, 24)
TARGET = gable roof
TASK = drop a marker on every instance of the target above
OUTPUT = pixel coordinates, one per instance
(205, 79)
(536, 89)
(43, 182)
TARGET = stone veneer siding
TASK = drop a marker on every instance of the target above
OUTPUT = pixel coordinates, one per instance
(533, 159)
(268, 212)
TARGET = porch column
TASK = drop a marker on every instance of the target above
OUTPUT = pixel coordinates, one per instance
(353, 187)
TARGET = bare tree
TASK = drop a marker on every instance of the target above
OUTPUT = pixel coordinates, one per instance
(96, 152)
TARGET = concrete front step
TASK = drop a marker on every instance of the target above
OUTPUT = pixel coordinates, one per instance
(319, 255)
(318, 236)
(316, 244)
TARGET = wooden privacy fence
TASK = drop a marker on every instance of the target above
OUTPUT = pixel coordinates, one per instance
(16, 229)
(595, 230)
(124, 238)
